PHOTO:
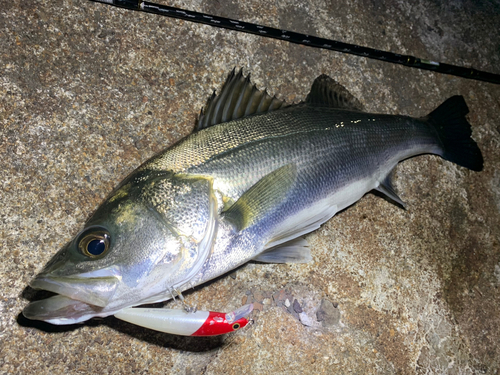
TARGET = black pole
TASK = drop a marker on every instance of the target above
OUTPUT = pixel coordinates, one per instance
(308, 40)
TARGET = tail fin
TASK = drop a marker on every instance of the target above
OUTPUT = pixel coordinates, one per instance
(454, 131)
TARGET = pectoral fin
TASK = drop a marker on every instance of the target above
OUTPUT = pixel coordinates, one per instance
(262, 198)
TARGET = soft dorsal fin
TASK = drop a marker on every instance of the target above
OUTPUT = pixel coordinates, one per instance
(238, 98)
(326, 92)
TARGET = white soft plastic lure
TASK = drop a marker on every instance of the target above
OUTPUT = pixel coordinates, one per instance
(184, 323)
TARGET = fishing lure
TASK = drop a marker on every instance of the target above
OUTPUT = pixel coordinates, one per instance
(184, 323)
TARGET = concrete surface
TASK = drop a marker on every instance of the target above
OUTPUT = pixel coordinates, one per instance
(88, 92)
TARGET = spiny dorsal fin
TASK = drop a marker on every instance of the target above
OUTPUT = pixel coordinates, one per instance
(326, 92)
(238, 98)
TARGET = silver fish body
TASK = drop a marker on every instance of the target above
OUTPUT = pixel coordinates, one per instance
(255, 177)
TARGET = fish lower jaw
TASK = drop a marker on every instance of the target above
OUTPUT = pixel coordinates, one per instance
(61, 310)
(92, 291)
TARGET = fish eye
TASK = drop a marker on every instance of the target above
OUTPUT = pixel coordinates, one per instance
(236, 326)
(94, 243)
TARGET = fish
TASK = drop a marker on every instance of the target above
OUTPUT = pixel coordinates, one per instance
(254, 177)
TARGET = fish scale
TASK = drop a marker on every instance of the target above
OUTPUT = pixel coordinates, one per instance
(334, 144)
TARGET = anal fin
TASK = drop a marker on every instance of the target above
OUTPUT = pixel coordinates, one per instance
(386, 187)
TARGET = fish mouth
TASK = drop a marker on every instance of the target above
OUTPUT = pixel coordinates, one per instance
(94, 291)
(61, 310)
(79, 298)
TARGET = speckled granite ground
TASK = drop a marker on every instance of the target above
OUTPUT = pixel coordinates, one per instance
(88, 92)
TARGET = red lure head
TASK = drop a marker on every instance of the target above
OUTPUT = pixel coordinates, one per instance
(217, 324)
